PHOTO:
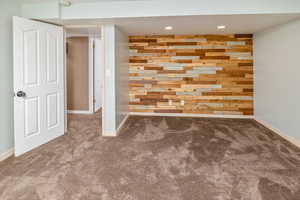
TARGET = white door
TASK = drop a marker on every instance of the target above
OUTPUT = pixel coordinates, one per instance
(98, 64)
(38, 83)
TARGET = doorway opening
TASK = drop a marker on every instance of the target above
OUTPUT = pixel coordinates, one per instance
(84, 71)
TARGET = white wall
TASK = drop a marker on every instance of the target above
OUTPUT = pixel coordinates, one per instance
(112, 9)
(277, 78)
(41, 10)
(115, 106)
(8, 8)
(109, 103)
(122, 92)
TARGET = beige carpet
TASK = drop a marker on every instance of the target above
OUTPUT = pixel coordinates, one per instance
(157, 158)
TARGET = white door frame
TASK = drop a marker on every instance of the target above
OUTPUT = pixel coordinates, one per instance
(65, 82)
(91, 75)
(104, 75)
(98, 64)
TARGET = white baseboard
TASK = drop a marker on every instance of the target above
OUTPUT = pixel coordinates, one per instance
(116, 133)
(82, 112)
(278, 132)
(192, 115)
(96, 110)
(122, 124)
(109, 134)
(7, 154)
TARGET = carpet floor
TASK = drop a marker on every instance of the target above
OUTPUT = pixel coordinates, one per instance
(157, 158)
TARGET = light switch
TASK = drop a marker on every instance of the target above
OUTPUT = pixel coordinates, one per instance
(107, 73)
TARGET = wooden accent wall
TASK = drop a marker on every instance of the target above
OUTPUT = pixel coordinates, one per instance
(199, 74)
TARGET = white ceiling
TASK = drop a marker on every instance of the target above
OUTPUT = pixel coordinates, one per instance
(189, 24)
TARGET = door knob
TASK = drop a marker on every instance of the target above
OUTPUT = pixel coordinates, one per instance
(21, 94)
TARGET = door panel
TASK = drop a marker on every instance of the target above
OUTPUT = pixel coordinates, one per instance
(39, 73)
(32, 116)
(52, 58)
(53, 110)
(31, 50)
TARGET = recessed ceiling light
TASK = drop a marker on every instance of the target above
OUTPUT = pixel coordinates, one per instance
(65, 3)
(221, 27)
(168, 28)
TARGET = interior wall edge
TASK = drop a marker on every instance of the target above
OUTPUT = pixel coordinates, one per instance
(109, 91)
(122, 76)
